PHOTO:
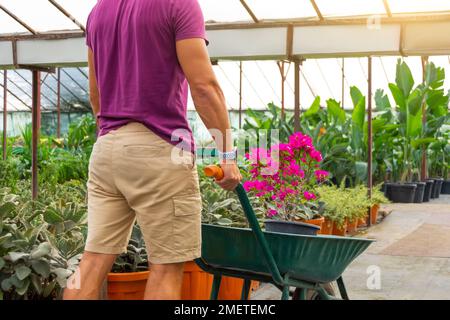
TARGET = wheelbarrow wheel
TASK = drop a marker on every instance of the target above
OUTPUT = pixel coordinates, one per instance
(312, 294)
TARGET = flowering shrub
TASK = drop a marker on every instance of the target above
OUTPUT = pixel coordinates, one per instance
(285, 176)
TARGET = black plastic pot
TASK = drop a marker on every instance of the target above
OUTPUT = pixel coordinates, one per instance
(428, 190)
(291, 227)
(402, 193)
(432, 188)
(437, 187)
(445, 187)
(387, 189)
(420, 191)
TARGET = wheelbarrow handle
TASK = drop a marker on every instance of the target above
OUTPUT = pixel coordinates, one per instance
(217, 173)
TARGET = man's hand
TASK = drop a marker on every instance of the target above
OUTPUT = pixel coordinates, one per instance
(231, 175)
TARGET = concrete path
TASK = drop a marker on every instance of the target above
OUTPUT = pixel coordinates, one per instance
(410, 260)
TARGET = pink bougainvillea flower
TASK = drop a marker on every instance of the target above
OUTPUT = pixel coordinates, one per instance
(300, 141)
(316, 155)
(321, 174)
(271, 213)
(309, 195)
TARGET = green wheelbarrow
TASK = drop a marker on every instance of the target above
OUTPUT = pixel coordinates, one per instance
(307, 263)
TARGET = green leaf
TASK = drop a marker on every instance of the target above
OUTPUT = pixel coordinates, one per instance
(52, 217)
(24, 288)
(313, 109)
(404, 78)
(61, 275)
(382, 101)
(356, 95)
(41, 267)
(2, 263)
(224, 222)
(49, 289)
(22, 272)
(16, 256)
(42, 250)
(423, 141)
(415, 100)
(6, 284)
(334, 108)
(398, 96)
(7, 208)
(37, 283)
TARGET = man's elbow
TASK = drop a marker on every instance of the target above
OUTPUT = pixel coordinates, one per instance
(205, 91)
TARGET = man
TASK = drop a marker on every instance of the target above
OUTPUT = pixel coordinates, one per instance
(140, 54)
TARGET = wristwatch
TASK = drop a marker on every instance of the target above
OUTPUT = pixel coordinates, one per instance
(230, 155)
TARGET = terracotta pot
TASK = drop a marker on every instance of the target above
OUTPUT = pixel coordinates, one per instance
(127, 286)
(197, 285)
(340, 231)
(317, 222)
(374, 213)
(351, 226)
(327, 227)
(231, 288)
(362, 222)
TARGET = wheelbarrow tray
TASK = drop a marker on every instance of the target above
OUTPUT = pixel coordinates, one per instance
(316, 259)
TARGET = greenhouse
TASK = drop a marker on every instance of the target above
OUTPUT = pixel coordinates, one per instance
(347, 99)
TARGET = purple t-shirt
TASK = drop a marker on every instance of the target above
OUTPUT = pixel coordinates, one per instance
(138, 73)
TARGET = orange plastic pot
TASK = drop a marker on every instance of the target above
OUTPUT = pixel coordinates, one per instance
(340, 231)
(197, 285)
(317, 222)
(127, 286)
(352, 226)
(231, 288)
(327, 227)
(374, 213)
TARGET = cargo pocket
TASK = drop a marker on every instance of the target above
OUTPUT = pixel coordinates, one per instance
(187, 222)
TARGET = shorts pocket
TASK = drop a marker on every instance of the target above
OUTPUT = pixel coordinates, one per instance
(187, 222)
(142, 151)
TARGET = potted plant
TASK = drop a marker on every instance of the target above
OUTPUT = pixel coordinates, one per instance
(376, 200)
(284, 177)
(335, 208)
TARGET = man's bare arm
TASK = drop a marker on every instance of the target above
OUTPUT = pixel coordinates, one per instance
(94, 95)
(209, 100)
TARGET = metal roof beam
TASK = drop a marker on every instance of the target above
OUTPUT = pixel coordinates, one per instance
(317, 9)
(67, 14)
(249, 10)
(387, 8)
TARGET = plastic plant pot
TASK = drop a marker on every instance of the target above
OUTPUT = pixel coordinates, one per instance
(437, 187)
(403, 193)
(291, 227)
(420, 191)
(445, 187)
(428, 190)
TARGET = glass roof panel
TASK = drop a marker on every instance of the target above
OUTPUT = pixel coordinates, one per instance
(350, 7)
(9, 25)
(408, 6)
(79, 9)
(281, 9)
(223, 11)
(40, 15)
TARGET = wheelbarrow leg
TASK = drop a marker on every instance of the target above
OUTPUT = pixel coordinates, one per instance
(215, 287)
(342, 290)
(285, 293)
(245, 289)
(299, 294)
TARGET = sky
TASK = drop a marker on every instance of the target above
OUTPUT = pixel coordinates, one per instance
(262, 79)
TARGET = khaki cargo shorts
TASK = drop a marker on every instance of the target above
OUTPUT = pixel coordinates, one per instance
(136, 175)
